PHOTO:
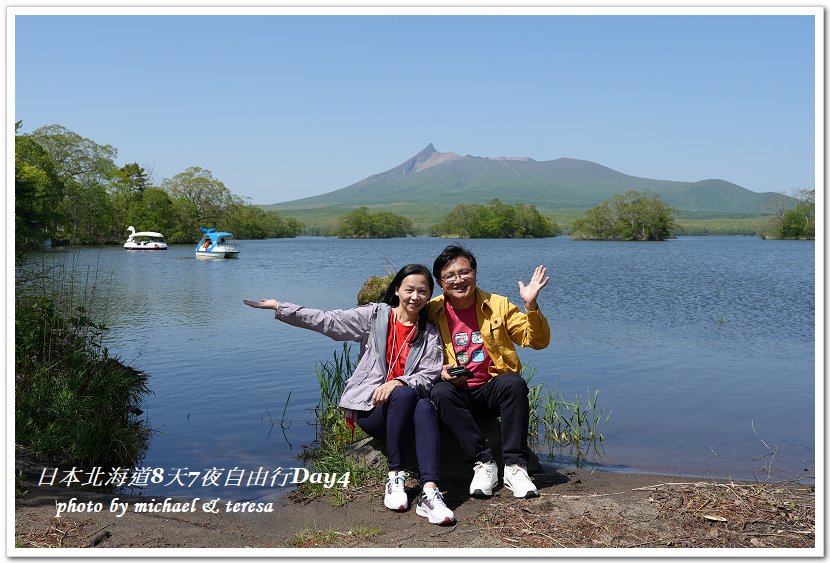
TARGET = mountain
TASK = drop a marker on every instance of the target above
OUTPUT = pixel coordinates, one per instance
(444, 179)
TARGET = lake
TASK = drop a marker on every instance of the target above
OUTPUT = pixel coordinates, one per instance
(702, 348)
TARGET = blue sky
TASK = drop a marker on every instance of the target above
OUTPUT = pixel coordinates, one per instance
(284, 107)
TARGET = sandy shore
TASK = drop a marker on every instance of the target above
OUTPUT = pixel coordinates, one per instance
(577, 508)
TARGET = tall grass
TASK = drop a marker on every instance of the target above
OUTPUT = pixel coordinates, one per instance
(332, 434)
(556, 421)
(572, 421)
(73, 402)
(331, 378)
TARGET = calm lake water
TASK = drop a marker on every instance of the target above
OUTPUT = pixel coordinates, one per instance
(702, 348)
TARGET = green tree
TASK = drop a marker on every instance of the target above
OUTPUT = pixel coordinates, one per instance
(628, 216)
(529, 222)
(126, 189)
(137, 175)
(800, 222)
(357, 224)
(152, 210)
(288, 227)
(642, 217)
(462, 221)
(97, 216)
(248, 221)
(38, 193)
(793, 216)
(390, 225)
(86, 170)
(598, 223)
(499, 220)
(199, 200)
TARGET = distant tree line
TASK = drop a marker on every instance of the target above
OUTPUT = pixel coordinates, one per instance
(793, 222)
(69, 187)
(494, 220)
(629, 216)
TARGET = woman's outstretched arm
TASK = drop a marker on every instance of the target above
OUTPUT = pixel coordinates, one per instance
(349, 324)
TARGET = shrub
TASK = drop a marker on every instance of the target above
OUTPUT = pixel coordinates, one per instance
(373, 289)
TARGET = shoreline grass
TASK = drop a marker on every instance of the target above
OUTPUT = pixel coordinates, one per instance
(74, 403)
(328, 453)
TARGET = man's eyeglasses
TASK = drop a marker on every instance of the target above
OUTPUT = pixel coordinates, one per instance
(463, 274)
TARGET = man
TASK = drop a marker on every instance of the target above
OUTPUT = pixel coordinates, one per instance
(480, 331)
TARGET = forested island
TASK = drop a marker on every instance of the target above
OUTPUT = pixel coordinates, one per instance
(362, 223)
(496, 220)
(629, 216)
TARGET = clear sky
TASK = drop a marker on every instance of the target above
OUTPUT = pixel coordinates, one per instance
(282, 107)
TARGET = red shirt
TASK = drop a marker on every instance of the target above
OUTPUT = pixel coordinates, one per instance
(468, 345)
(398, 344)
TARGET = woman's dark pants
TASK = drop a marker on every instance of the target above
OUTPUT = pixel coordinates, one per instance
(403, 416)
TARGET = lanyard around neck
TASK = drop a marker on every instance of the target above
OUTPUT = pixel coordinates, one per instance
(397, 354)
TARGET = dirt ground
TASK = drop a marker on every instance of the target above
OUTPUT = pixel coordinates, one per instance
(576, 509)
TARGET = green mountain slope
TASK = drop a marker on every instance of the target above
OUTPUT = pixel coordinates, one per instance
(558, 187)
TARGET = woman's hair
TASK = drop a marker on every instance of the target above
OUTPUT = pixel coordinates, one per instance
(449, 254)
(391, 299)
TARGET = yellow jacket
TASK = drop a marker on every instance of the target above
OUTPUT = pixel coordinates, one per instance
(501, 324)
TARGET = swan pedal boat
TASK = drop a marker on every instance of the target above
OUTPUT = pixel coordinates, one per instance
(220, 245)
(144, 240)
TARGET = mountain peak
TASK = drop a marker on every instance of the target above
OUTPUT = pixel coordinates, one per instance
(428, 151)
(427, 158)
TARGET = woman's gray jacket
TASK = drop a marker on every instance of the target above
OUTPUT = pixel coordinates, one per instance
(369, 325)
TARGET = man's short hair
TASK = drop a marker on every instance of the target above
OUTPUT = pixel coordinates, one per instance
(449, 254)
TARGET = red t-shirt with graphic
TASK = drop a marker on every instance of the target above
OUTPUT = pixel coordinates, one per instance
(468, 345)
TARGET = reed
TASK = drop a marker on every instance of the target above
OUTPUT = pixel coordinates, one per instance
(330, 426)
(554, 420)
(332, 435)
(74, 403)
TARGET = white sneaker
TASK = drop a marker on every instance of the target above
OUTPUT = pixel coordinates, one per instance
(517, 480)
(431, 505)
(395, 497)
(486, 477)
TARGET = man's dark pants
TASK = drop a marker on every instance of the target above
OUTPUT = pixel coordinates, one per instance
(505, 396)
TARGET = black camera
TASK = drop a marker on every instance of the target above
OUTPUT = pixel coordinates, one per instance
(459, 371)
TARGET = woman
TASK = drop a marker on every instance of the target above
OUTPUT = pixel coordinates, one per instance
(388, 394)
